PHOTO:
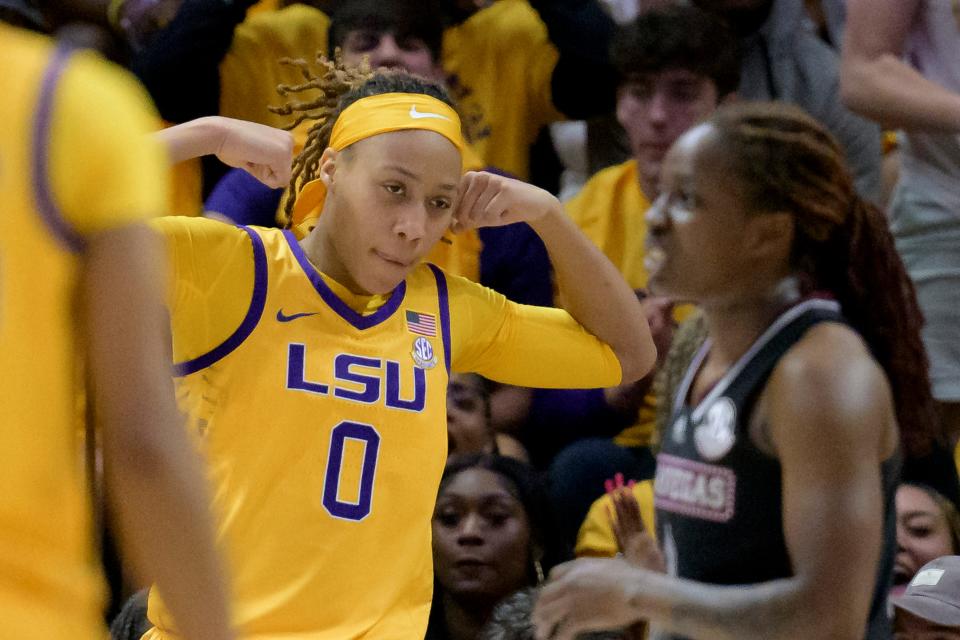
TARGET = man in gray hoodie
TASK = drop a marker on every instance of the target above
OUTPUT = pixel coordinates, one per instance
(783, 59)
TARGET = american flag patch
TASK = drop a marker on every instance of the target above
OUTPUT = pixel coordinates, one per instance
(423, 324)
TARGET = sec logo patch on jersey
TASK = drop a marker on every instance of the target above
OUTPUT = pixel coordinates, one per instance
(715, 436)
(423, 355)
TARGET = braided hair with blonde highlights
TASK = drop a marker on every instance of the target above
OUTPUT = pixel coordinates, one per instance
(332, 89)
(787, 162)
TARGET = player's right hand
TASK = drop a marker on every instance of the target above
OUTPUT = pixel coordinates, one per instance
(264, 152)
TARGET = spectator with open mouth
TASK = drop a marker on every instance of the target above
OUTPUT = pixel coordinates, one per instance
(928, 527)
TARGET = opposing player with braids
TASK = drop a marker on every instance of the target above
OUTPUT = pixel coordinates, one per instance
(775, 482)
(315, 369)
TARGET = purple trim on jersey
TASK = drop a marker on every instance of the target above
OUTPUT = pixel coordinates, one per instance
(43, 193)
(257, 302)
(444, 300)
(334, 302)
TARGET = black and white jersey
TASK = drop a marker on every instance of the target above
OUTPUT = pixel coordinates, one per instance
(718, 496)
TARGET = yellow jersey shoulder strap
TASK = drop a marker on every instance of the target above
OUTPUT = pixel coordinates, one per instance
(258, 301)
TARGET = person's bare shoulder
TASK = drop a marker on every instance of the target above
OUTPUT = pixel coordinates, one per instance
(830, 380)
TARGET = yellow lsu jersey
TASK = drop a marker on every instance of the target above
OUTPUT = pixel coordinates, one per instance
(596, 538)
(250, 72)
(71, 164)
(499, 64)
(324, 423)
(610, 210)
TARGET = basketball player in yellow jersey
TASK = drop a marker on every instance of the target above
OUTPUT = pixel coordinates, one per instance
(79, 273)
(313, 362)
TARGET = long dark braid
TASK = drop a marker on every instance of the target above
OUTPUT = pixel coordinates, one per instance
(333, 88)
(787, 161)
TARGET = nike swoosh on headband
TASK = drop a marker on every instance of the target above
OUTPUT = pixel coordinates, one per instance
(416, 115)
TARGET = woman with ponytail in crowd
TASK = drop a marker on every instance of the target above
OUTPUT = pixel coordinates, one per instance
(313, 362)
(775, 482)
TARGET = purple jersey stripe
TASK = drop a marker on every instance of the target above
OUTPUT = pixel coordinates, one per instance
(444, 300)
(257, 302)
(335, 303)
(43, 193)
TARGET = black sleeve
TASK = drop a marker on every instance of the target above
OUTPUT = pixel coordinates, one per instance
(181, 66)
(584, 82)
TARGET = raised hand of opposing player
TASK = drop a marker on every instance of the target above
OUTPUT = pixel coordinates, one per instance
(490, 200)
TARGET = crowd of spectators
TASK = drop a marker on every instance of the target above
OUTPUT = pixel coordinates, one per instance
(538, 476)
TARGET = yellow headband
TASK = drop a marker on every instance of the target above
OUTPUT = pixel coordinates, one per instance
(372, 116)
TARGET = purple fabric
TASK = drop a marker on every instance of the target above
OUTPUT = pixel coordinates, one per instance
(514, 262)
(559, 417)
(46, 205)
(244, 200)
(444, 312)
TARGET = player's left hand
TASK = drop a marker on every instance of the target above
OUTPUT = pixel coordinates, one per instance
(590, 594)
(490, 200)
(264, 152)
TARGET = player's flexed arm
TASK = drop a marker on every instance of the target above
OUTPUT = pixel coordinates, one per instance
(264, 152)
(596, 294)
